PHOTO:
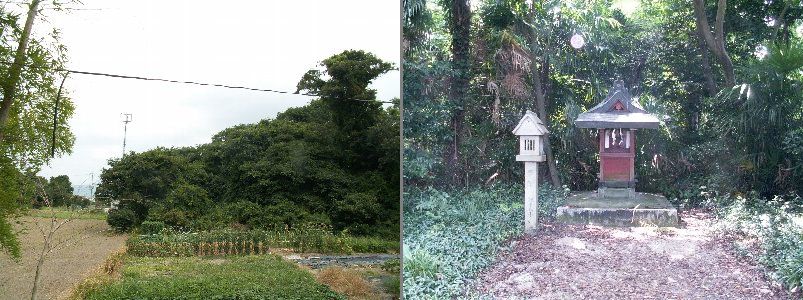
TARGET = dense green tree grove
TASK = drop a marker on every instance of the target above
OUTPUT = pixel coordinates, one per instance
(736, 132)
(334, 161)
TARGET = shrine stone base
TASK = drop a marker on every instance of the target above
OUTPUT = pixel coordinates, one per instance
(618, 209)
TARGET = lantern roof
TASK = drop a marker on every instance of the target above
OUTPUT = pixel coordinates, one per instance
(617, 110)
(530, 124)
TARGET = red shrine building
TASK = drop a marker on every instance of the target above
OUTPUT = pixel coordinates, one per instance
(616, 119)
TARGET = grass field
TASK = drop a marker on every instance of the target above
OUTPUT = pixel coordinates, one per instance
(66, 213)
(63, 268)
(246, 277)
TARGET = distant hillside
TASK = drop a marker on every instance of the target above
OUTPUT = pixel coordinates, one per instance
(82, 190)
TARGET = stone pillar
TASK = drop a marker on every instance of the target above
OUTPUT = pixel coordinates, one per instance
(530, 196)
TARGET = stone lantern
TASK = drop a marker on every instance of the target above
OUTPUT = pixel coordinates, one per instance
(530, 131)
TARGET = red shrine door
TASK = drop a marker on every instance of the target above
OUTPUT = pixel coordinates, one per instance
(616, 154)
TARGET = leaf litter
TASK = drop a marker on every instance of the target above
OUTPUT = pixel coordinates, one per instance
(564, 261)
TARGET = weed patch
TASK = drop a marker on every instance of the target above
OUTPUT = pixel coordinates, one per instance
(249, 277)
(346, 282)
(770, 231)
(450, 236)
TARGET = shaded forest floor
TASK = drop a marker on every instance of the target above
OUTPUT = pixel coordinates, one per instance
(590, 262)
(62, 269)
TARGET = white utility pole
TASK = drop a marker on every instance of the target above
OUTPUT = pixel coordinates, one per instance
(127, 118)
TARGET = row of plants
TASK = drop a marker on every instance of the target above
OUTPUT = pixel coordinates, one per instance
(160, 241)
(449, 236)
(248, 277)
(769, 231)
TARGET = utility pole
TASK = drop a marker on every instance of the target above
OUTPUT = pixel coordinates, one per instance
(92, 187)
(127, 119)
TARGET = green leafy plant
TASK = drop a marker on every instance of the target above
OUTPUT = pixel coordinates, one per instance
(451, 236)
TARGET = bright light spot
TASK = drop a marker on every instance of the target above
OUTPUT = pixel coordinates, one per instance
(770, 21)
(577, 41)
(628, 7)
(761, 51)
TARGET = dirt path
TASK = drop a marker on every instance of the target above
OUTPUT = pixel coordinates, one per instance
(63, 269)
(588, 262)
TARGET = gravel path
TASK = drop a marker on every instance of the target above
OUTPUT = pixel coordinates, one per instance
(589, 262)
(62, 269)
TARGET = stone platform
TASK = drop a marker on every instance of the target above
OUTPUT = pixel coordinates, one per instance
(617, 209)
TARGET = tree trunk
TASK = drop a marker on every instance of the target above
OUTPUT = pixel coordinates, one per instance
(716, 40)
(10, 84)
(460, 27)
(708, 73)
(540, 101)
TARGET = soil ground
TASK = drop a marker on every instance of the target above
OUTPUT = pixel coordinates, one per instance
(590, 262)
(63, 268)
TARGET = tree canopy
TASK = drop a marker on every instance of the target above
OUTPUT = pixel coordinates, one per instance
(724, 78)
(301, 167)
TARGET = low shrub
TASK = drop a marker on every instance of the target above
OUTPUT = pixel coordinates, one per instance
(122, 219)
(392, 266)
(151, 227)
(450, 236)
(776, 226)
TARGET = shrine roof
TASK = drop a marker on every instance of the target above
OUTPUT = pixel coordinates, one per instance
(617, 110)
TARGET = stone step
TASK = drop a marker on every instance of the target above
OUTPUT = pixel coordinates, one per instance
(620, 217)
(615, 208)
(618, 193)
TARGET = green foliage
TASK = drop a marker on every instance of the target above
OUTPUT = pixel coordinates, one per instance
(450, 236)
(151, 227)
(246, 278)
(759, 122)
(27, 134)
(392, 266)
(29, 130)
(59, 190)
(122, 219)
(9, 207)
(308, 238)
(302, 167)
(350, 74)
(775, 223)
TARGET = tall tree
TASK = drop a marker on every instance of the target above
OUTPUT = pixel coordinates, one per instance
(9, 85)
(716, 40)
(538, 75)
(347, 94)
(459, 19)
(29, 89)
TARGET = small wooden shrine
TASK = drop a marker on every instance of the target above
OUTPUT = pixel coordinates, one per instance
(617, 118)
(615, 202)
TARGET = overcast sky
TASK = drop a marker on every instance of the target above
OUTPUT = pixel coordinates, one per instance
(263, 44)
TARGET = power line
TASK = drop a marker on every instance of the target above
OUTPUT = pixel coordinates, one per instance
(189, 82)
